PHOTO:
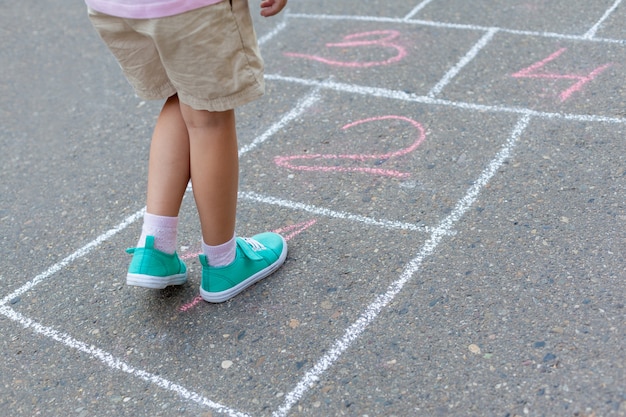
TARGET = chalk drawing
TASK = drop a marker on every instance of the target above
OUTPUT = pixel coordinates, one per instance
(291, 231)
(581, 80)
(286, 161)
(74, 256)
(116, 363)
(301, 106)
(456, 26)
(381, 38)
(342, 215)
(416, 10)
(354, 331)
(189, 255)
(279, 28)
(341, 345)
(591, 33)
(191, 304)
(409, 97)
(482, 42)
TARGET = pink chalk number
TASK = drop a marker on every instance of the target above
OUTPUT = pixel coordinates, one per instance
(378, 38)
(535, 71)
(288, 161)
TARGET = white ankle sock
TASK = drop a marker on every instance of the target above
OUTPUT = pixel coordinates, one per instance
(163, 228)
(221, 255)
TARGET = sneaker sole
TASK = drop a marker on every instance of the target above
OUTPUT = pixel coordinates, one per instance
(220, 297)
(150, 281)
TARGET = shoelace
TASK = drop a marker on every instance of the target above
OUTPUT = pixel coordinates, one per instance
(250, 247)
(256, 245)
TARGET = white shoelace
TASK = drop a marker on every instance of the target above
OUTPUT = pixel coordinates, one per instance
(256, 245)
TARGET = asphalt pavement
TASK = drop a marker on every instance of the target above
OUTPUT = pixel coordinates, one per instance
(450, 176)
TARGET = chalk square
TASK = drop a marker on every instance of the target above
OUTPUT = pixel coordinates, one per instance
(404, 57)
(363, 156)
(549, 77)
(544, 244)
(272, 333)
(573, 17)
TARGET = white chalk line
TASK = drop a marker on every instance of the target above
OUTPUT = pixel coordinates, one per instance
(460, 26)
(269, 36)
(373, 310)
(294, 205)
(74, 256)
(417, 9)
(401, 95)
(382, 19)
(116, 363)
(454, 71)
(302, 105)
(594, 29)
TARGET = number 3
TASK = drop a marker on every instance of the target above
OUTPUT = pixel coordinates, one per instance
(383, 38)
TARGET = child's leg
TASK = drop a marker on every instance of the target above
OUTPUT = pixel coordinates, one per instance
(168, 169)
(215, 178)
(154, 263)
(214, 162)
(168, 176)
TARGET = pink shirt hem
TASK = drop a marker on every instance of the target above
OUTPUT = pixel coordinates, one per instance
(146, 9)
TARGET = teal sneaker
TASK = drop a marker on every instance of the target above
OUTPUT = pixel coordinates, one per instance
(256, 258)
(151, 268)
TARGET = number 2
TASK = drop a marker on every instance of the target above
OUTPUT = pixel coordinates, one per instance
(287, 161)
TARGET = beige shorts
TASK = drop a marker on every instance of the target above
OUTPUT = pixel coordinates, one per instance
(209, 56)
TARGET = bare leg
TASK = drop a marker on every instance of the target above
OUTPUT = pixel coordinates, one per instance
(214, 162)
(154, 263)
(168, 169)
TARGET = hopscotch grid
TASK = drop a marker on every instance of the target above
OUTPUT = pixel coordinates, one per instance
(354, 331)
(99, 354)
(114, 363)
(371, 313)
(459, 26)
(437, 234)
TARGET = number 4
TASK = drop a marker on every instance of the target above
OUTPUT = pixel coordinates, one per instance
(581, 80)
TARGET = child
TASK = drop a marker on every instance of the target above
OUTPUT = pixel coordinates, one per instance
(202, 57)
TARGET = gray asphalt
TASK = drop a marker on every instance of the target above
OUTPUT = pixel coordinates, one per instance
(451, 177)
